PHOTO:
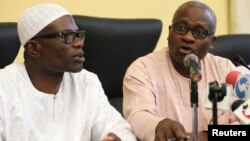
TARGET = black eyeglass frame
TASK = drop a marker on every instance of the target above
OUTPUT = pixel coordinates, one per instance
(206, 33)
(63, 34)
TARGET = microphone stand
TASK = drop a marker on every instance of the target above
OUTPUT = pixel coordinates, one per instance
(216, 94)
(215, 117)
(194, 105)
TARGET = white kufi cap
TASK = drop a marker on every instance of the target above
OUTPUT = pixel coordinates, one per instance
(36, 18)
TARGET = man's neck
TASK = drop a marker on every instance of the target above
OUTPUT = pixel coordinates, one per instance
(44, 81)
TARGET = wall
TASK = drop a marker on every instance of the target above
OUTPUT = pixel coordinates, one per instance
(161, 9)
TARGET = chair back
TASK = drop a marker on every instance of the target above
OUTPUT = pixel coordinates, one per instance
(9, 43)
(231, 45)
(112, 44)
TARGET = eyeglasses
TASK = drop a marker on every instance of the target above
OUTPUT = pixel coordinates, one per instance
(69, 36)
(198, 32)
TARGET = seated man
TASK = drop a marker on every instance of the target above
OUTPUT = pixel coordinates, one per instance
(157, 89)
(50, 97)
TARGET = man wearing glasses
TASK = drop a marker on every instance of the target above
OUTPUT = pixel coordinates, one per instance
(50, 97)
(157, 89)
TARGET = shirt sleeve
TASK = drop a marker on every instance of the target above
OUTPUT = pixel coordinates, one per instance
(107, 119)
(139, 106)
(2, 133)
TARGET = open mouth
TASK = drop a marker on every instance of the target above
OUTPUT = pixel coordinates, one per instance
(185, 50)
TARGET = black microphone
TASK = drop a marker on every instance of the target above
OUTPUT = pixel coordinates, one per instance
(237, 104)
(240, 61)
(192, 63)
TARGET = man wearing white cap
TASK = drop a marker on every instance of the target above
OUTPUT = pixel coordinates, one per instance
(50, 97)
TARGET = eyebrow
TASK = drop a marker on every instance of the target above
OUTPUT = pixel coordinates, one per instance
(69, 30)
(204, 26)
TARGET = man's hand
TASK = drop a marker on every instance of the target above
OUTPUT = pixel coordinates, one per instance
(203, 136)
(111, 137)
(168, 129)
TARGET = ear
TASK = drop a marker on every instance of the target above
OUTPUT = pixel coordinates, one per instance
(169, 28)
(212, 42)
(33, 49)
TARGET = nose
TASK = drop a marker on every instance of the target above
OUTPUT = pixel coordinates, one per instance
(78, 43)
(189, 37)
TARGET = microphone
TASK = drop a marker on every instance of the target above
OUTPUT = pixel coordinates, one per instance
(240, 82)
(192, 63)
(223, 92)
(240, 61)
(241, 109)
(236, 104)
